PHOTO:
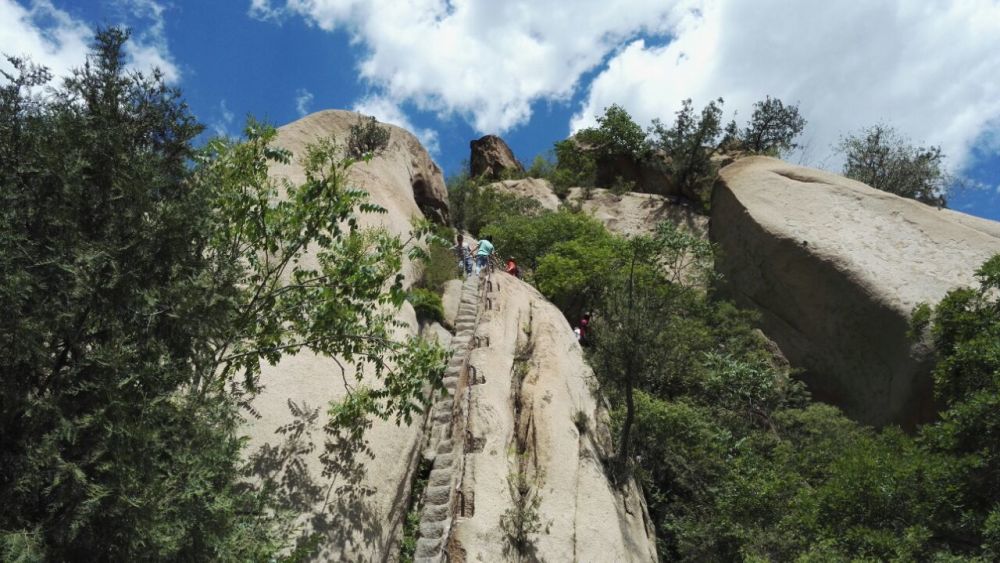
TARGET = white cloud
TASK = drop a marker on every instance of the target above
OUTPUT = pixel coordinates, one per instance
(927, 68)
(486, 61)
(224, 122)
(387, 111)
(48, 36)
(53, 38)
(303, 101)
(148, 47)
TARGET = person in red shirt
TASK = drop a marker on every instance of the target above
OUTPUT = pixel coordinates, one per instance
(512, 268)
(585, 329)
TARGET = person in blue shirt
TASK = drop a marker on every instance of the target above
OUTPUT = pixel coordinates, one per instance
(483, 252)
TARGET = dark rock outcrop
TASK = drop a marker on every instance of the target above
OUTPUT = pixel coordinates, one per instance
(491, 157)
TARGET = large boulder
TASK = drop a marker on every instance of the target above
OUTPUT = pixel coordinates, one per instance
(403, 178)
(835, 268)
(535, 410)
(355, 501)
(491, 158)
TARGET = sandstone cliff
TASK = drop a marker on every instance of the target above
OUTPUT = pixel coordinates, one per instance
(356, 502)
(521, 430)
(631, 213)
(836, 268)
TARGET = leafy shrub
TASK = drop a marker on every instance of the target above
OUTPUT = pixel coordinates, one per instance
(772, 129)
(688, 146)
(880, 157)
(574, 167)
(367, 137)
(474, 205)
(427, 305)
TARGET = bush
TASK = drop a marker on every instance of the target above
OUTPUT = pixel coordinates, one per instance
(772, 129)
(880, 157)
(689, 145)
(574, 167)
(367, 138)
(427, 305)
(474, 205)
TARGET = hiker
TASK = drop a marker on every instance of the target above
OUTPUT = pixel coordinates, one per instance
(464, 255)
(512, 268)
(585, 329)
(484, 249)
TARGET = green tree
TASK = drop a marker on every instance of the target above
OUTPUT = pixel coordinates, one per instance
(773, 127)
(689, 145)
(616, 134)
(658, 279)
(880, 157)
(144, 284)
(474, 205)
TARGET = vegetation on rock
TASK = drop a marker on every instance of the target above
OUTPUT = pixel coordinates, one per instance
(880, 157)
(367, 138)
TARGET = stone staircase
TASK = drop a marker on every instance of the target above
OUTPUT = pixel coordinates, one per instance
(445, 444)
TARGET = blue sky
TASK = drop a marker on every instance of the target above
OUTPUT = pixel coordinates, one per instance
(533, 71)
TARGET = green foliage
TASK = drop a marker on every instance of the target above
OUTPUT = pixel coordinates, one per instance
(880, 157)
(528, 238)
(427, 305)
(773, 127)
(689, 145)
(145, 285)
(541, 167)
(616, 134)
(367, 138)
(574, 167)
(438, 266)
(522, 520)
(474, 205)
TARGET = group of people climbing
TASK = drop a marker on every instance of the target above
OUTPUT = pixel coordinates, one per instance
(481, 251)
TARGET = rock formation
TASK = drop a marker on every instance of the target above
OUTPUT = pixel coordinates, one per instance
(836, 268)
(519, 395)
(491, 157)
(628, 214)
(357, 503)
(521, 410)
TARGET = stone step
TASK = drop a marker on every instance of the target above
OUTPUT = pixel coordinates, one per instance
(442, 416)
(427, 551)
(444, 447)
(440, 494)
(444, 461)
(434, 513)
(450, 382)
(433, 530)
(439, 477)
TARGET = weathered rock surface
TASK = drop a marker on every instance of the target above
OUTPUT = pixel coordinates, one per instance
(491, 157)
(836, 268)
(631, 213)
(404, 163)
(356, 502)
(532, 405)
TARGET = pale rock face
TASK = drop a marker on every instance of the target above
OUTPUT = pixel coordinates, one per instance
(359, 506)
(836, 268)
(631, 213)
(403, 179)
(491, 157)
(535, 408)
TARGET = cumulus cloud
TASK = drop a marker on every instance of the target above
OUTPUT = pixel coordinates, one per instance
(485, 61)
(388, 111)
(303, 101)
(47, 35)
(927, 68)
(148, 47)
(53, 38)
